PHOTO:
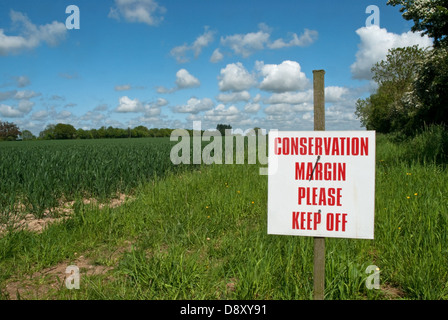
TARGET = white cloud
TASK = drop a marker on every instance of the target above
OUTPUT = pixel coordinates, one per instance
(252, 107)
(234, 77)
(153, 121)
(93, 116)
(128, 105)
(223, 114)
(31, 36)
(180, 52)
(246, 44)
(202, 41)
(288, 109)
(162, 89)
(332, 94)
(283, 77)
(306, 39)
(64, 114)
(5, 95)
(184, 80)
(142, 11)
(39, 115)
(152, 111)
(294, 110)
(10, 44)
(257, 98)
(26, 94)
(336, 112)
(233, 97)
(25, 106)
(291, 97)
(216, 56)
(335, 94)
(195, 105)
(161, 102)
(230, 115)
(342, 116)
(278, 109)
(9, 112)
(374, 46)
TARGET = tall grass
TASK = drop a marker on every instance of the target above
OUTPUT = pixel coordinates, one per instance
(430, 145)
(41, 174)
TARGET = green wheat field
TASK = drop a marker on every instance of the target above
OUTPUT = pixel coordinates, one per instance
(200, 231)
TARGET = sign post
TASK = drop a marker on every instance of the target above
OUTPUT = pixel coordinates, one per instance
(321, 184)
(319, 125)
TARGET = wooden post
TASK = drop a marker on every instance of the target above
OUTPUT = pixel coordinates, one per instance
(319, 125)
(319, 100)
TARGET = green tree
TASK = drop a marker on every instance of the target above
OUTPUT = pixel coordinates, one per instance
(64, 131)
(429, 96)
(386, 110)
(431, 89)
(154, 132)
(429, 16)
(83, 134)
(9, 131)
(111, 132)
(94, 133)
(374, 112)
(28, 135)
(165, 132)
(101, 132)
(222, 128)
(140, 131)
(48, 132)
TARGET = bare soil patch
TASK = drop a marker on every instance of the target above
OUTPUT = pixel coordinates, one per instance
(27, 221)
(41, 284)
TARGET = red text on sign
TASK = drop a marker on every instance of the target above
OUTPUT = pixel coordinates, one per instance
(323, 172)
(305, 220)
(336, 221)
(319, 196)
(322, 146)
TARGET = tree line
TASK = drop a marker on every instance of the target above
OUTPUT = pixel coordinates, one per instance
(62, 131)
(10, 132)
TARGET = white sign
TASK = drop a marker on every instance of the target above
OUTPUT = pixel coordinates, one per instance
(322, 184)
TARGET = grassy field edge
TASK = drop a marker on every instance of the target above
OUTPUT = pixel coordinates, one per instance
(202, 235)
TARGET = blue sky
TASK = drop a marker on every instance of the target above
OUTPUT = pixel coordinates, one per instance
(167, 63)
